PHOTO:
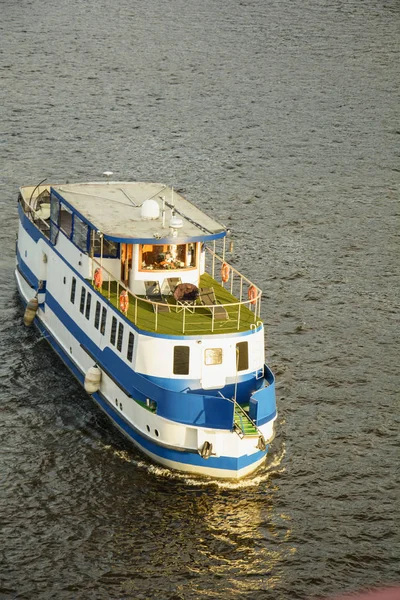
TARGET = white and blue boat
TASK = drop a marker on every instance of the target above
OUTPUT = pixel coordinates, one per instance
(129, 283)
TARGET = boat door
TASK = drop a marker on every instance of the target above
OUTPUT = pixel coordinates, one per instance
(126, 262)
(213, 369)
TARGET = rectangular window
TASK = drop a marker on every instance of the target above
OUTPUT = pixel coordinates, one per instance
(73, 290)
(110, 248)
(167, 256)
(103, 321)
(66, 220)
(80, 235)
(131, 342)
(54, 209)
(213, 356)
(97, 315)
(242, 356)
(83, 296)
(120, 336)
(54, 231)
(88, 303)
(181, 360)
(113, 330)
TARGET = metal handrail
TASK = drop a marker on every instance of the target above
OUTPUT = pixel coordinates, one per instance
(256, 301)
(185, 310)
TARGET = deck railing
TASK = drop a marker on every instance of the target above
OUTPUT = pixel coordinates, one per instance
(237, 284)
(243, 312)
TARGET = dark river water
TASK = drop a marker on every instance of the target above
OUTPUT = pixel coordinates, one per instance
(280, 119)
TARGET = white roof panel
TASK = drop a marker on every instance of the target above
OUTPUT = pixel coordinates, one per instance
(115, 209)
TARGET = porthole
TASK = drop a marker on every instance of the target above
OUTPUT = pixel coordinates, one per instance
(64, 280)
(116, 401)
(120, 406)
(148, 428)
(156, 432)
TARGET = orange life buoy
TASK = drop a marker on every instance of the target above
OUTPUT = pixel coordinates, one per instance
(225, 272)
(124, 301)
(252, 294)
(98, 278)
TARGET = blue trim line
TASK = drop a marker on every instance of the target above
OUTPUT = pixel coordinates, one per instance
(266, 419)
(167, 240)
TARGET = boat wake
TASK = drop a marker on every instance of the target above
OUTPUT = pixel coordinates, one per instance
(273, 466)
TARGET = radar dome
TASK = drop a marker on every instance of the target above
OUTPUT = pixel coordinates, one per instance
(150, 210)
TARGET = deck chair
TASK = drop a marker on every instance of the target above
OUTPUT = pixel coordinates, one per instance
(153, 294)
(169, 285)
(208, 300)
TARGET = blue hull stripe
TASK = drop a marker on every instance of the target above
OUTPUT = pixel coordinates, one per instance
(189, 458)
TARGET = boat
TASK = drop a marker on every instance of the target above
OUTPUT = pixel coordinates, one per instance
(130, 284)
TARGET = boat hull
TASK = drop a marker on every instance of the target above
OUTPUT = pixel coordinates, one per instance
(187, 460)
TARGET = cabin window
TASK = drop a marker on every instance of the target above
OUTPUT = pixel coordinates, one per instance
(97, 315)
(54, 209)
(242, 356)
(157, 257)
(80, 234)
(73, 290)
(103, 321)
(113, 331)
(66, 220)
(110, 249)
(181, 360)
(213, 356)
(120, 336)
(88, 303)
(131, 342)
(54, 218)
(83, 296)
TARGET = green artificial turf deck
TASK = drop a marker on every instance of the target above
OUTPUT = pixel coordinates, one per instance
(183, 322)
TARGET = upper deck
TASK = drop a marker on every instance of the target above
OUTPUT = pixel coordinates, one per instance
(145, 239)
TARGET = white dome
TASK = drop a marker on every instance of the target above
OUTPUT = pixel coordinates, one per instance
(150, 210)
(175, 222)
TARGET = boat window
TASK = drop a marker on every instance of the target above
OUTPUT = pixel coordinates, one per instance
(242, 356)
(110, 249)
(97, 315)
(113, 330)
(120, 336)
(54, 209)
(131, 341)
(80, 233)
(88, 303)
(83, 296)
(66, 220)
(181, 360)
(213, 356)
(73, 290)
(54, 218)
(160, 257)
(103, 321)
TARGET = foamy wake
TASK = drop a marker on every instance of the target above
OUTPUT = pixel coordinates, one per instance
(271, 467)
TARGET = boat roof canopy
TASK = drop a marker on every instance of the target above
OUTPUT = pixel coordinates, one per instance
(132, 212)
